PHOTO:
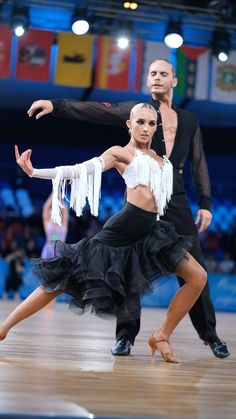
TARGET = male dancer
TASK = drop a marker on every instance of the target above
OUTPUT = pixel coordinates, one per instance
(179, 137)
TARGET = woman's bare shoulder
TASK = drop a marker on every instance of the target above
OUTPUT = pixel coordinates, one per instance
(152, 152)
(118, 151)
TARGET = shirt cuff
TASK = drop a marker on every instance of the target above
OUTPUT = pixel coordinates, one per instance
(205, 203)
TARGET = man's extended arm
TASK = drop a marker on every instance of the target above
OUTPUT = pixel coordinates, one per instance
(95, 112)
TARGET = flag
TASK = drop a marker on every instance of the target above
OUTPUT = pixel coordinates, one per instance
(33, 55)
(137, 69)
(223, 80)
(192, 72)
(113, 65)
(5, 50)
(74, 62)
(152, 51)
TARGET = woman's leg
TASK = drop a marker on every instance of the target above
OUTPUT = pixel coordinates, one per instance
(195, 278)
(33, 303)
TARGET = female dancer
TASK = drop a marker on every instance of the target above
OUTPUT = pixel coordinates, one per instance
(53, 231)
(110, 271)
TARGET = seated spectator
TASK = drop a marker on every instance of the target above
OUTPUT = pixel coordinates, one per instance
(211, 263)
(16, 268)
(227, 265)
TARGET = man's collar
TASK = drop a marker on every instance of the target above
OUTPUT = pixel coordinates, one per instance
(157, 104)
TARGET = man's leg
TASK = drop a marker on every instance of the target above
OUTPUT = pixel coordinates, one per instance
(202, 313)
(126, 332)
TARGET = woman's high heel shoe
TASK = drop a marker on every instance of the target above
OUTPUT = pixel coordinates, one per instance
(155, 345)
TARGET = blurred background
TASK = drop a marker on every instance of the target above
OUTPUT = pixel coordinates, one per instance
(104, 58)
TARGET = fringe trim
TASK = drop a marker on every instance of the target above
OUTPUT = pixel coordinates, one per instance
(84, 186)
(144, 170)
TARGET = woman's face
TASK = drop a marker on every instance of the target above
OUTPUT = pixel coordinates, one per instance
(142, 125)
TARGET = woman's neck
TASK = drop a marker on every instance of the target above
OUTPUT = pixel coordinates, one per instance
(135, 145)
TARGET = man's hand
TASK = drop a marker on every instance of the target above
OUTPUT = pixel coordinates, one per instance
(203, 219)
(24, 161)
(45, 105)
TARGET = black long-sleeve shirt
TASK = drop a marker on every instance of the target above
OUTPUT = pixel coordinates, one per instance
(188, 141)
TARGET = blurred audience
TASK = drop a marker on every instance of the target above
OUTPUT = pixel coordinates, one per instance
(23, 238)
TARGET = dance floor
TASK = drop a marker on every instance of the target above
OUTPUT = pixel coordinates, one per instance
(59, 365)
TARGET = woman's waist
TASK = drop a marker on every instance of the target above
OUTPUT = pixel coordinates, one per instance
(142, 197)
(129, 224)
(139, 210)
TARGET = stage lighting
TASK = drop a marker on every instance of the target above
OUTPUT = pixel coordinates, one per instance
(19, 20)
(133, 5)
(225, 8)
(123, 42)
(123, 34)
(79, 25)
(173, 37)
(221, 44)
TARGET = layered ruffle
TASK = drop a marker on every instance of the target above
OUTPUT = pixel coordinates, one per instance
(110, 280)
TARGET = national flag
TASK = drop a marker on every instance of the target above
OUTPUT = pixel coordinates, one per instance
(5, 50)
(138, 67)
(192, 72)
(33, 55)
(113, 65)
(74, 62)
(223, 80)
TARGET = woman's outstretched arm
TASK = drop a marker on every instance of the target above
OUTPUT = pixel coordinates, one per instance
(85, 179)
(109, 159)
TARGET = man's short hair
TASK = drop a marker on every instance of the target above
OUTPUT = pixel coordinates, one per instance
(167, 61)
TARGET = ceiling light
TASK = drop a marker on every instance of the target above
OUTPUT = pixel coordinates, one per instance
(133, 5)
(19, 20)
(173, 37)
(221, 44)
(79, 25)
(123, 42)
(225, 8)
(123, 33)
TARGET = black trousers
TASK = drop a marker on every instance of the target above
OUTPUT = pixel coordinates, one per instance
(202, 314)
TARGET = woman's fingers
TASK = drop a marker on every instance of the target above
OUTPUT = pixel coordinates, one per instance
(17, 154)
(21, 158)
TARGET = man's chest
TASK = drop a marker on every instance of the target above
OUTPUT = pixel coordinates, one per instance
(167, 128)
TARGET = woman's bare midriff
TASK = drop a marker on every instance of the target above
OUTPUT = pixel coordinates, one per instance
(142, 197)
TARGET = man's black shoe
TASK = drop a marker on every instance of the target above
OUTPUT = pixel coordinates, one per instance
(122, 347)
(219, 348)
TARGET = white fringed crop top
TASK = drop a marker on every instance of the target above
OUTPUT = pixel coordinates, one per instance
(145, 170)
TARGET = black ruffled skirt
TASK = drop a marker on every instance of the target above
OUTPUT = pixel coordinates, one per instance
(108, 273)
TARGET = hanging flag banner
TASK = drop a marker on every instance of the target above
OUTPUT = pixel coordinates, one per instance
(113, 65)
(137, 66)
(74, 62)
(152, 51)
(5, 50)
(33, 55)
(192, 72)
(223, 81)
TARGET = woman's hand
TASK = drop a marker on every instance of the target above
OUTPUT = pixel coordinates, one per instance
(24, 160)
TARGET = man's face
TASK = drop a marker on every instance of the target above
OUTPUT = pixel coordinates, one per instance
(143, 125)
(160, 79)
